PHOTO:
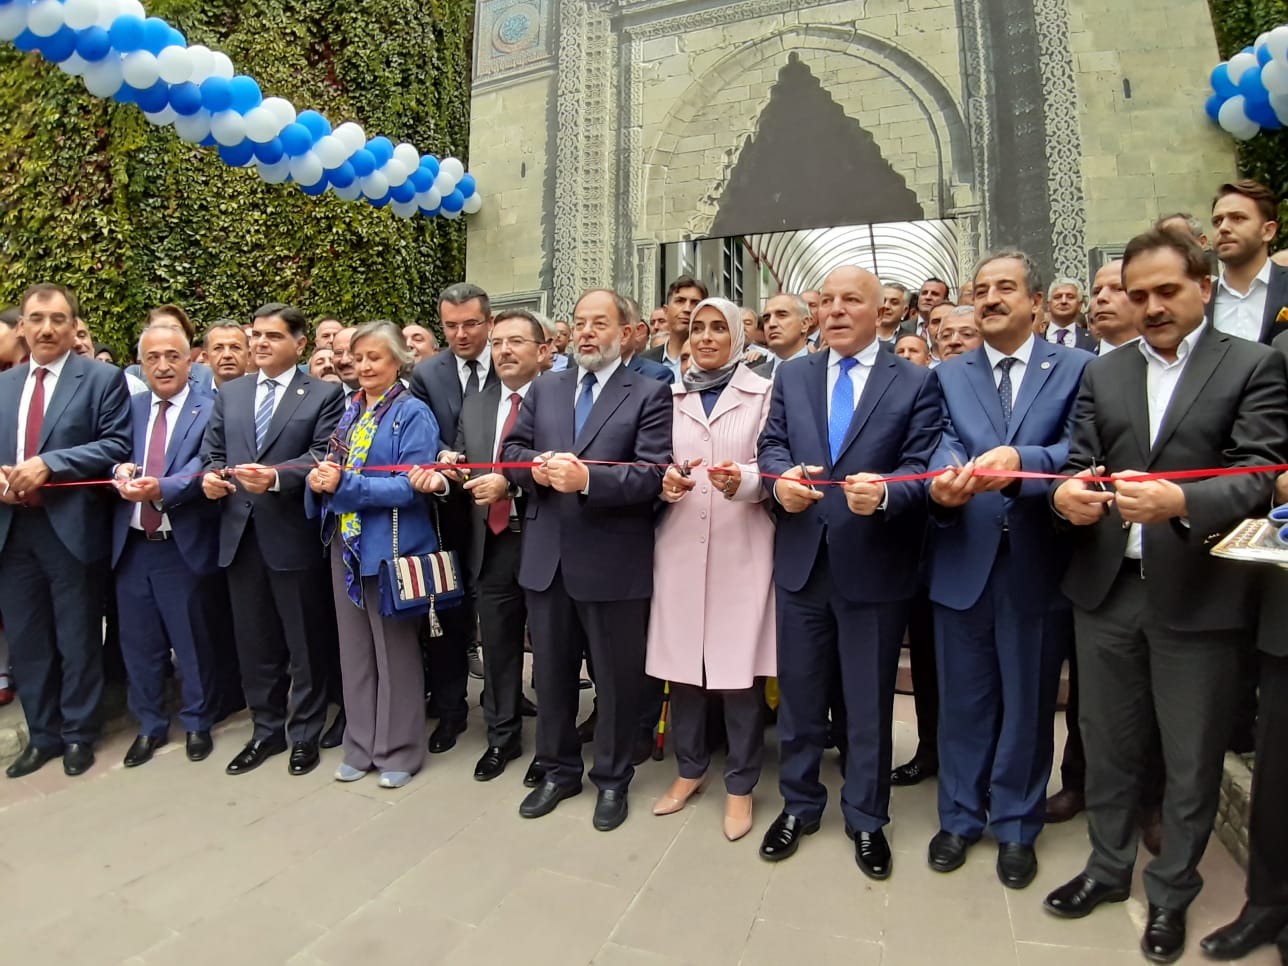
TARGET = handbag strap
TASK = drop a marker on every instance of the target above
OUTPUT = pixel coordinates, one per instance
(395, 533)
(438, 532)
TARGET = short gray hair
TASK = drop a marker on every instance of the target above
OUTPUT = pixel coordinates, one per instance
(897, 285)
(1032, 275)
(1193, 224)
(1064, 281)
(635, 317)
(390, 333)
(962, 310)
(164, 327)
(461, 292)
(549, 332)
(799, 305)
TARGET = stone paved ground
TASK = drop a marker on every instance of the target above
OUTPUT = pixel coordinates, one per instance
(176, 863)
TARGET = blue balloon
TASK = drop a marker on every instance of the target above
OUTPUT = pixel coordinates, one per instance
(1250, 85)
(317, 125)
(421, 179)
(27, 41)
(177, 39)
(125, 94)
(1263, 114)
(315, 189)
(127, 33)
(270, 152)
(156, 35)
(296, 140)
(382, 200)
(216, 95)
(185, 98)
(155, 98)
(454, 202)
(58, 47)
(1221, 82)
(431, 212)
(382, 149)
(208, 141)
(342, 176)
(237, 155)
(1213, 107)
(430, 163)
(1264, 56)
(246, 93)
(404, 192)
(363, 163)
(466, 185)
(93, 43)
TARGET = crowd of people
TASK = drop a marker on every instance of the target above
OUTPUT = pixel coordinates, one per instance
(735, 514)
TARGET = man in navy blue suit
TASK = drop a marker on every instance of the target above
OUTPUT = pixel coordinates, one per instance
(63, 418)
(1002, 627)
(165, 547)
(845, 557)
(587, 558)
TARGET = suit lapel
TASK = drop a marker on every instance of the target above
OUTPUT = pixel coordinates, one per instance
(140, 408)
(817, 389)
(12, 396)
(70, 381)
(610, 397)
(1208, 353)
(691, 406)
(186, 418)
(487, 432)
(980, 376)
(1042, 361)
(879, 379)
(294, 394)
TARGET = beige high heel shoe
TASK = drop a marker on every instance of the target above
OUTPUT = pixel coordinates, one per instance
(681, 790)
(737, 820)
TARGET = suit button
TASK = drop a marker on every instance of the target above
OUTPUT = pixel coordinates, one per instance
(706, 439)
(702, 539)
(246, 504)
(703, 514)
(704, 489)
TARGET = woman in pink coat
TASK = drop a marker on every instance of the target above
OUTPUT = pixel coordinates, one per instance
(711, 629)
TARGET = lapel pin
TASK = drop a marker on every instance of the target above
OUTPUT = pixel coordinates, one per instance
(1046, 365)
(299, 392)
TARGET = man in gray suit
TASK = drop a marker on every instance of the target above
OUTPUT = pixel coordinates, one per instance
(1159, 621)
(265, 432)
(63, 418)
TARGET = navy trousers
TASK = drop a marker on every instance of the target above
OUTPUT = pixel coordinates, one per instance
(163, 608)
(821, 634)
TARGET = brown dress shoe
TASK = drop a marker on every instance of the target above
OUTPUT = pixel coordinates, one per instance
(1064, 805)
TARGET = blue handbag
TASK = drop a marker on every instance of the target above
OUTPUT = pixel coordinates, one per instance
(415, 585)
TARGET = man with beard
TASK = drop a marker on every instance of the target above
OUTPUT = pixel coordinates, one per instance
(1251, 294)
(681, 296)
(587, 557)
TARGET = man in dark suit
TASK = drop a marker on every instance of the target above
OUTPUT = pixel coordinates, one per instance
(519, 353)
(165, 550)
(63, 418)
(845, 557)
(1064, 306)
(786, 328)
(1159, 621)
(443, 382)
(682, 297)
(635, 342)
(1250, 298)
(283, 611)
(587, 561)
(934, 292)
(1002, 627)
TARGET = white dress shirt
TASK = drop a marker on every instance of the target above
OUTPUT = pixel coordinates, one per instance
(53, 371)
(485, 366)
(1021, 357)
(866, 359)
(804, 351)
(503, 411)
(1107, 347)
(1161, 380)
(1240, 313)
(177, 402)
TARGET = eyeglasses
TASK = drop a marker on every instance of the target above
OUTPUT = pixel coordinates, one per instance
(470, 325)
(511, 341)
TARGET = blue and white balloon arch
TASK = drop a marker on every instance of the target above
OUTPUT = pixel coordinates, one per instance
(1250, 90)
(121, 53)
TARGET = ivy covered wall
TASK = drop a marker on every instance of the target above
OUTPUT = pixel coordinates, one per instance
(129, 216)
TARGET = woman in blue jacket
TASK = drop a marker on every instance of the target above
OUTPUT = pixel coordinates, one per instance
(380, 661)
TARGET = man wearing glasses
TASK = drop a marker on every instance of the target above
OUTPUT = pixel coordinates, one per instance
(444, 382)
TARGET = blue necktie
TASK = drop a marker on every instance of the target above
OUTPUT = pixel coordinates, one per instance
(264, 414)
(585, 402)
(1004, 392)
(842, 414)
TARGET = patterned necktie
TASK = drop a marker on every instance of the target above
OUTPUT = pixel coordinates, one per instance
(35, 420)
(585, 402)
(498, 514)
(1004, 389)
(842, 414)
(264, 414)
(1060, 336)
(154, 466)
(472, 383)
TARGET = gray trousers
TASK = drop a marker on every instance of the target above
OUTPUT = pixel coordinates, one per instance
(744, 726)
(384, 680)
(1135, 672)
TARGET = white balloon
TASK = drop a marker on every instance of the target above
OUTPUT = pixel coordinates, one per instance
(407, 155)
(228, 128)
(274, 173)
(224, 66)
(473, 203)
(1274, 76)
(13, 20)
(1240, 64)
(429, 199)
(261, 125)
(140, 69)
(375, 185)
(193, 127)
(404, 209)
(79, 14)
(1235, 120)
(175, 64)
(395, 172)
(202, 61)
(453, 167)
(306, 169)
(351, 193)
(74, 65)
(450, 215)
(281, 108)
(134, 8)
(45, 18)
(1277, 43)
(104, 78)
(1261, 40)
(108, 10)
(167, 115)
(331, 151)
(445, 184)
(353, 136)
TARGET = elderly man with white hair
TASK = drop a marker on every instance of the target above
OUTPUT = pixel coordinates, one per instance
(1064, 304)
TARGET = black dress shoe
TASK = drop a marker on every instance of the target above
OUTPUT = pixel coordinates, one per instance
(1079, 897)
(1164, 938)
(914, 772)
(494, 761)
(526, 707)
(31, 760)
(586, 730)
(253, 755)
(543, 799)
(1017, 864)
(1256, 926)
(535, 775)
(78, 758)
(947, 852)
(783, 837)
(304, 757)
(443, 737)
(333, 737)
(610, 809)
(872, 853)
(140, 752)
(198, 745)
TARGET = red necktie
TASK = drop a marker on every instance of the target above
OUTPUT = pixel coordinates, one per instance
(498, 514)
(35, 420)
(154, 466)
